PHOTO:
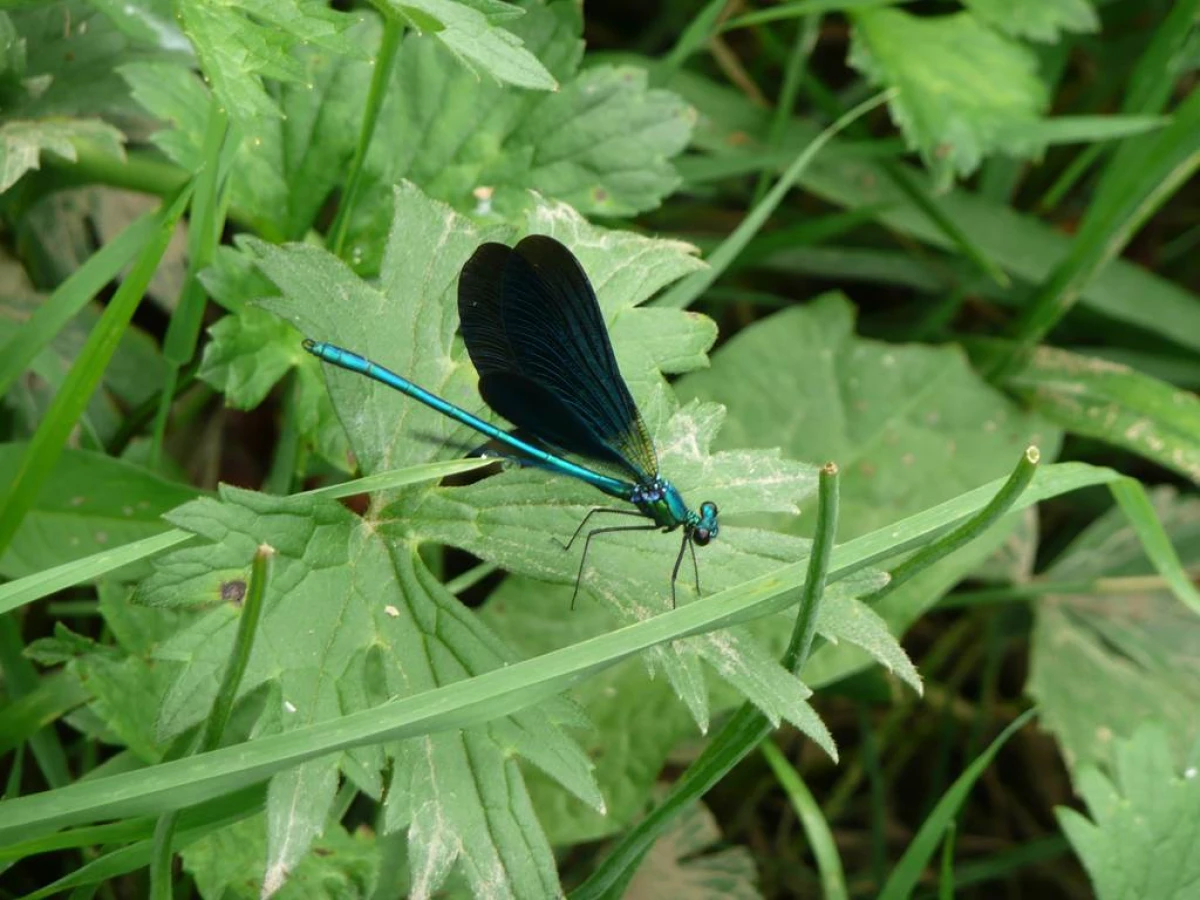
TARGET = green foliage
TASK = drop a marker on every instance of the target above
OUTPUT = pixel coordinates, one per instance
(1118, 649)
(1135, 844)
(965, 90)
(90, 502)
(1114, 403)
(1040, 20)
(22, 143)
(358, 672)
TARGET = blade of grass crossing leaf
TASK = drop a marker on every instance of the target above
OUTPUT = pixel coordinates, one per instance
(204, 232)
(381, 76)
(285, 460)
(800, 644)
(214, 727)
(68, 404)
(497, 693)
(916, 192)
(70, 297)
(919, 195)
(470, 578)
(25, 590)
(1131, 497)
(17, 593)
(741, 734)
(999, 505)
(685, 292)
(196, 823)
(907, 873)
(816, 829)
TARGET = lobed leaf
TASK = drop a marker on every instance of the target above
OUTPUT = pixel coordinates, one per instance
(964, 89)
(1139, 839)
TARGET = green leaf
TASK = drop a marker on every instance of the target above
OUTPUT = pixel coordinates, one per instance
(908, 426)
(1105, 661)
(240, 42)
(135, 373)
(497, 693)
(89, 503)
(287, 165)
(684, 863)
(250, 351)
(343, 865)
(1139, 841)
(471, 31)
(351, 598)
(529, 616)
(603, 142)
(22, 142)
(1038, 20)
(963, 87)
(1107, 400)
(1022, 245)
(72, 51)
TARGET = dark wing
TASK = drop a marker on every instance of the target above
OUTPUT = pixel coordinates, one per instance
(534, 331)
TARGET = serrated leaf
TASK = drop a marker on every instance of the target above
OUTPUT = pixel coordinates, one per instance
(1102, 663)
(287, 165)
(72, 52)
(1039, 20)
(125, 685)
(1110, 401)
(603, 142)
(472, 33)
(22, 143)
(249, 352)
(848, 619)
(963, 88)
(1140, 840)
(348, 598)
(239, 42)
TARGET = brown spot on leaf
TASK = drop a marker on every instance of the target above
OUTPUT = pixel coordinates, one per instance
(233, 591)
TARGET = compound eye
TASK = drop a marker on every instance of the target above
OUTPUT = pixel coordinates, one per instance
(708, 509)
(701, 536)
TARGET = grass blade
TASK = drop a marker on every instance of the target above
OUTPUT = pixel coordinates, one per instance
(907, 873)
(68, 404)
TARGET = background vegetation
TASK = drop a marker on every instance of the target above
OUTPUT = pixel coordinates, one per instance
(261, 633)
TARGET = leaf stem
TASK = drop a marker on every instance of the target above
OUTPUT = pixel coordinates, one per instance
(969, 530)
(389, 43)
(179, 345)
